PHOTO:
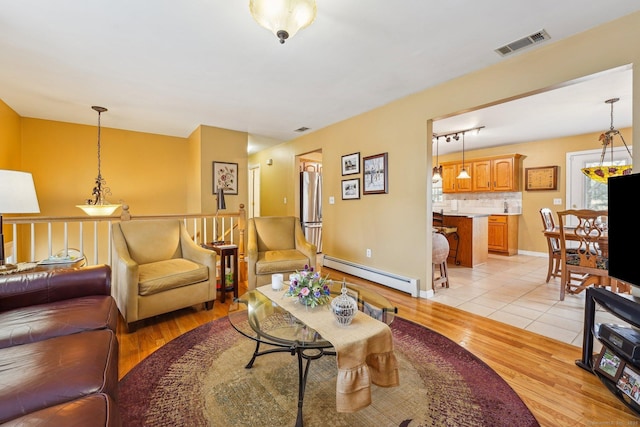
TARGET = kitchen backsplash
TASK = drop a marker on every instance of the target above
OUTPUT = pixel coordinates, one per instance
(489, 203)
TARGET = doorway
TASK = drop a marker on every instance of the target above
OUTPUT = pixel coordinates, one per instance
(253, 210)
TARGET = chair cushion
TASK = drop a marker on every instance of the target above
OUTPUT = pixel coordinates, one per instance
(42, 321)
(446, 229)
(601, 262)
(277, 261)
(275, 233)
(152, 240)
(169, 274)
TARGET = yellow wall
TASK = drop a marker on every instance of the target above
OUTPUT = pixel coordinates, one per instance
(146, 171)
(395, 225)
(10, 149)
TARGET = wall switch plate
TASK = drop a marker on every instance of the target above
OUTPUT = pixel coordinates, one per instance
(285, 200)
(368, 253)
(332, 200)
(557, 201)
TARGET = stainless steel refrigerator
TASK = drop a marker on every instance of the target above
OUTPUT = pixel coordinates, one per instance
(311, 207)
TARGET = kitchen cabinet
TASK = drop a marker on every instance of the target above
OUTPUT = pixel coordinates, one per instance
(497, 173)
(503, 234)
(450, 181)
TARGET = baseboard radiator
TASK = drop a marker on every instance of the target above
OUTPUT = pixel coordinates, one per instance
(404, 284)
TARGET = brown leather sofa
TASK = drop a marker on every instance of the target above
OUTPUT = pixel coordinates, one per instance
(58, 348)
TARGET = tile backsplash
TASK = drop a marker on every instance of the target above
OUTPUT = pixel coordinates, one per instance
(489, 203)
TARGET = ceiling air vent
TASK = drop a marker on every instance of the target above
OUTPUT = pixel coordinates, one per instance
(524, 42)
(302, 129)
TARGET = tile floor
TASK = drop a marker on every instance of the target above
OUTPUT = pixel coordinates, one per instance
(512, 290)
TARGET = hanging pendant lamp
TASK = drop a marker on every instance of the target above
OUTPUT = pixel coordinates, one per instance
(463, 173)
(98, 204)
(602, 173)
(437, 169)
(284, 18)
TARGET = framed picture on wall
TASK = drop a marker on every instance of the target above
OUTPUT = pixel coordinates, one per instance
(225, 176)
(351, 164)
(375, 174)
(350, 189)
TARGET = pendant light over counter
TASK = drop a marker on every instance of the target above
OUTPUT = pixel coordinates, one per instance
(437, 170)
(463, 173)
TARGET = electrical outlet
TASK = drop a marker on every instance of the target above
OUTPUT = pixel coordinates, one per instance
(332, 200)
(368, 253)
(285, 200)
(557, 201)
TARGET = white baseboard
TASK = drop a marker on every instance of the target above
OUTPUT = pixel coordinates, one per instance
(404, 284)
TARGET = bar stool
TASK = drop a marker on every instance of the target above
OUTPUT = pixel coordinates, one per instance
(439, 255)
(440, 227)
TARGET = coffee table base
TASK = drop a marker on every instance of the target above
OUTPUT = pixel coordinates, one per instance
(305, 356)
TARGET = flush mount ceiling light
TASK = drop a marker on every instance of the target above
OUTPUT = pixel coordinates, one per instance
(284, 18)
(98, 204)
(602, 172)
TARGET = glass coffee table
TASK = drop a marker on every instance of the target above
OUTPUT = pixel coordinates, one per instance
(261, 319)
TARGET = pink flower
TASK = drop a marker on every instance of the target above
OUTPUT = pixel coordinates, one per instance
(304, 292)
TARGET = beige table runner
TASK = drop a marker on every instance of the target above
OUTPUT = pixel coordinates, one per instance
(364, 350)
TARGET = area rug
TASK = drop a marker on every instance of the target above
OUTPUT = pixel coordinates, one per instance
(199, 379)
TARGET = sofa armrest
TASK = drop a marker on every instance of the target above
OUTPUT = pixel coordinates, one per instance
(195, 253)
(21, 290)
(308, 249)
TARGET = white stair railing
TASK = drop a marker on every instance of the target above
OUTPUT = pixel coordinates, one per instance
(36, 238)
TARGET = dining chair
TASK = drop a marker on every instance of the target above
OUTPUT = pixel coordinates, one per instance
(553, 245)
(589, 257)
(447, 230)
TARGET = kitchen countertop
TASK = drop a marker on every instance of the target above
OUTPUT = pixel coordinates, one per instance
(476, 215)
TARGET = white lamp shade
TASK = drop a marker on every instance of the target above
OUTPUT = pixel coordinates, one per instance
(17, 193)
(99, 210)
(463, 174)
(283, 15)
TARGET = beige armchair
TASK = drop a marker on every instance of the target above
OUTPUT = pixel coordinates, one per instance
(158, 268)
(276, 244)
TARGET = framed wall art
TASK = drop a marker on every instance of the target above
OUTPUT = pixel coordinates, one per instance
(351, 164)
(375, 171)
(225, 176)
(350, 189)
(542, 178)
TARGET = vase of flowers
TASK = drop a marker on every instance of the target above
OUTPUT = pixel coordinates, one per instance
(309, 288)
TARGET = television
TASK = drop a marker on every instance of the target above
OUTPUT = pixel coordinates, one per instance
(624, 233)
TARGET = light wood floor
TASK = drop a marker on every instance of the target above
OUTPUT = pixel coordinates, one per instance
(541, 370)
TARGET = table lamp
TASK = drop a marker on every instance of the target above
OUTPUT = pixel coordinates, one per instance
(17, 195)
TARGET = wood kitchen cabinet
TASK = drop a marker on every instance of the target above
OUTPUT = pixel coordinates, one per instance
(503, 234)
(450, 181)
(497, 173)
